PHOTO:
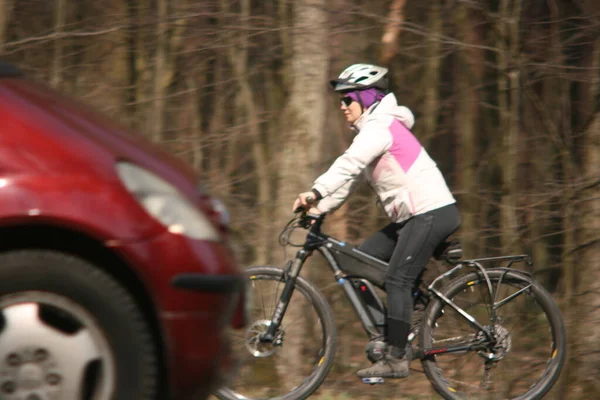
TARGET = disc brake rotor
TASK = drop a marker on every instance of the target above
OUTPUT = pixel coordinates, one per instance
(253, 335)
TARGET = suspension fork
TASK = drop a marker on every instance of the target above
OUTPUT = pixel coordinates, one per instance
(290, 275)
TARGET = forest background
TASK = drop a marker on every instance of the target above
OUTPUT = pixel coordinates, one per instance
(505, 94)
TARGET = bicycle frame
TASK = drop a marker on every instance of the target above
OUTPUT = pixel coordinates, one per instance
(325, 244)
(316, 240)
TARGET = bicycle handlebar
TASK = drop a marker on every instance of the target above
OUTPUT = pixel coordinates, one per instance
(312, 222)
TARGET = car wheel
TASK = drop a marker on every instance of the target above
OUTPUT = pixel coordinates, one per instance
(69, 331)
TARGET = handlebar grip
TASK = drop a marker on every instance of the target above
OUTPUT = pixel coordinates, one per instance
(309, 199)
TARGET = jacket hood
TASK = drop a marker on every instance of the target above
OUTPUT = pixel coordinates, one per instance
(388, 106)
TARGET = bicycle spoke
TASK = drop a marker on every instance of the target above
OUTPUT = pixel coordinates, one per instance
(285, 323)
(276, 295)
(266, 369)
(486, 299)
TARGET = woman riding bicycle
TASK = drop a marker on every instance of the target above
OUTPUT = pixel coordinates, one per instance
(409, 186)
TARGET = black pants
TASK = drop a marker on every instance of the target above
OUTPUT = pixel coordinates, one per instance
(407, 247)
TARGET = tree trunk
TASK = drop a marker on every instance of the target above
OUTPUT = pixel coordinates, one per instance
(132, 55)
(160, 70)
(588, 249)
(193, 84)
(468, 76)
(217, 124)
(589, 254)
(283, 7)
(432, 73)
(238, 58)
(559, 119)
(5, 14)
(143, 70)
(60, 17)
(539, 176)
(168, 43)
(275, 98)
(509, 108)
(303, 116)
(304, 119)
(391, 32)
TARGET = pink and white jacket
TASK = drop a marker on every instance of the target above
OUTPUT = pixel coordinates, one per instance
(406, 180)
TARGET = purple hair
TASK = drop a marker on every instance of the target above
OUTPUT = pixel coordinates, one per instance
(367, 97)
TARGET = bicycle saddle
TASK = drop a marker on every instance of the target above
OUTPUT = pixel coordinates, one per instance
(450, 250)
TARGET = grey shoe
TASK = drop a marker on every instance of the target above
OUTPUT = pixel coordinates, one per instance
(388, 367)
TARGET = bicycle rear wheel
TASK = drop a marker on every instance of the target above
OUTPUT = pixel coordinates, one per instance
(303, 353)
(531, 340)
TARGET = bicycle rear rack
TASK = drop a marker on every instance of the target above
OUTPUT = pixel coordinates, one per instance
(476, 264)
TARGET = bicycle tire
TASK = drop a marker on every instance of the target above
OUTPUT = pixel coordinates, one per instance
(324, 312)
(543, 298)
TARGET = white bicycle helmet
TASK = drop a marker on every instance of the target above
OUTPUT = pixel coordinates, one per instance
(361, 76)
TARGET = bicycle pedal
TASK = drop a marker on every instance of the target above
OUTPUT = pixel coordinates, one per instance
(373, 380)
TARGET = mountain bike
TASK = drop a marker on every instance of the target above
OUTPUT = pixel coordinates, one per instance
(489, 333)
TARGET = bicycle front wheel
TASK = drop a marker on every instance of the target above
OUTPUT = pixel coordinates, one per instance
(524, 359)
(298, 360)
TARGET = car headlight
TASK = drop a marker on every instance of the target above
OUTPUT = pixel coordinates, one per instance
(217, 205)
(165, 203)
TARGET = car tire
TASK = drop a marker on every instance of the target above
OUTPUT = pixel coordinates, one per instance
(69, 330)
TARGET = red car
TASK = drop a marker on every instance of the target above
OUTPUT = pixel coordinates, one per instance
(116, 278)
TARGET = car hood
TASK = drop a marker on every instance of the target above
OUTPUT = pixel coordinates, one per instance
(63, 136)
